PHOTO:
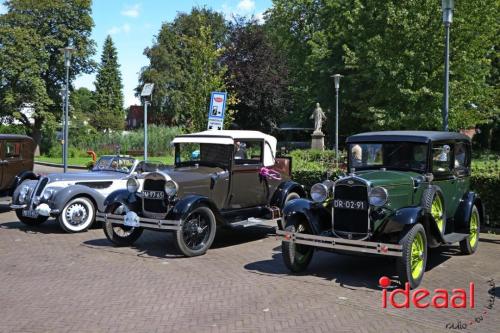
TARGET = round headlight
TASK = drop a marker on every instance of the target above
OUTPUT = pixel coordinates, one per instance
(378, 196)
(47, 194)
(319, 192)
(170, 188)
(23, 193)
(132, 185)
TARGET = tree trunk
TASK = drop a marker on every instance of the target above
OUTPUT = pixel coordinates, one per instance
(36, 134)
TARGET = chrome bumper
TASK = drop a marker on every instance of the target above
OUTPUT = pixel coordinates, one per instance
(12, 206)
(342, 244)
(143, 222)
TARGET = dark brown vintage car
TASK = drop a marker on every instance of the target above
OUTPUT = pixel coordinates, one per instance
(220, 178)
(16, 161)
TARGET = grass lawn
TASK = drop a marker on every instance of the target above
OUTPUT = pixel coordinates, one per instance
(82, 161)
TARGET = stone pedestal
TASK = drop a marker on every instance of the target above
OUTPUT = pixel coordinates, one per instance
(318, 141)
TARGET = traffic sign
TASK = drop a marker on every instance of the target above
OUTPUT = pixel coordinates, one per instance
(216, 111)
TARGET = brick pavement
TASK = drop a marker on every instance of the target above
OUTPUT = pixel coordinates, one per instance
(51, 281)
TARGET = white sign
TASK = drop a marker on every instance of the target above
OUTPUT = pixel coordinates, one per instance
(216, 110)
(147, 90)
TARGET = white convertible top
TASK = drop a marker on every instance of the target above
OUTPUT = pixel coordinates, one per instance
(229, 137)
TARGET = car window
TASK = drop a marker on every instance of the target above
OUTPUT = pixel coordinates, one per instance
(247, 152)
(461, 158)
(441, 158)
(187, 153)
(12, 150)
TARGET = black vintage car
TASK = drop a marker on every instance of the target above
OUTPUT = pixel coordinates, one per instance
(220, 178)
(406, 191)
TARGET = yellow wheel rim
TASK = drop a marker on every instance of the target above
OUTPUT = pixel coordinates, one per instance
(474, 235)
(417, 256)
(437, 212)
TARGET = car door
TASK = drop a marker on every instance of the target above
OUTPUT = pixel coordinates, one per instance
(12, 162)
(444, 176)
(248, 188)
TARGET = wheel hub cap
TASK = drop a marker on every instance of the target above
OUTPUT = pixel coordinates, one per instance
(76, 214)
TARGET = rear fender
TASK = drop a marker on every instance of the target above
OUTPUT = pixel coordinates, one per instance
(317, 216)
(283, 190)
(464, 211)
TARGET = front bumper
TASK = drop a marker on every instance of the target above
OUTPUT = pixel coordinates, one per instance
(348, 245)
(41, 209)
(140, 222)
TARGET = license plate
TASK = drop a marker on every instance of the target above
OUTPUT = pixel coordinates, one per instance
(30, 213)
(158, 195)
(131, 220)
(350, 204)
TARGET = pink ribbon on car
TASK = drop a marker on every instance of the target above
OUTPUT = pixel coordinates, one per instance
(270, 173)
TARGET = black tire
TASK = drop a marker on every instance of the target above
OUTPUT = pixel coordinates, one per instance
(197, 232)
(77, 215)
(467, 246)
(120, 235)
(297, 256)
(404, 263)
(428, 197)
(290, 196)
(30, 221)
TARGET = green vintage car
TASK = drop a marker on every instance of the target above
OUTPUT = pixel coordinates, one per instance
(406, 191)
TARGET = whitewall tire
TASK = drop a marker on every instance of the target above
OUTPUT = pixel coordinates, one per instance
(77, 215)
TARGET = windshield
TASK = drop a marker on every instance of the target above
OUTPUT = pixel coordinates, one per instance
(390, 155)
(203, 154)
(114, 163)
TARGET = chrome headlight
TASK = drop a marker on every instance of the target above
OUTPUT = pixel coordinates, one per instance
(378, 196)
(171, 188)
(132, 185)
(47, 194)
(23, 193)
(319, 192)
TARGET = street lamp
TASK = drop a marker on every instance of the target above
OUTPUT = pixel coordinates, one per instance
(67, 61)
(447, 7)
(336, 79)
(146, 93)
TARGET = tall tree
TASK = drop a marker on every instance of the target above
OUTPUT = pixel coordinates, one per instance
(391, 54)
(109, 113)
(258, 74)
(184, 65)
(32, 73)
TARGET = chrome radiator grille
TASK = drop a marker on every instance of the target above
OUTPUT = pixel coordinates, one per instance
(351, 223)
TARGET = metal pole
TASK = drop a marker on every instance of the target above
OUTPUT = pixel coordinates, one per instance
(446, 75)
(65, 154)
(337, 126)
(145, 130)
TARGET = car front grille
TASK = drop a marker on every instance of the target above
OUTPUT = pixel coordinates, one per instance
(154, 206)
(350, 223)
(37, 191)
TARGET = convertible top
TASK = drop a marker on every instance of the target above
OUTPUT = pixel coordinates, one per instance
(409, 136)
(229, 137)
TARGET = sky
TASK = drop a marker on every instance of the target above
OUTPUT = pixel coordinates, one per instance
(133, 26)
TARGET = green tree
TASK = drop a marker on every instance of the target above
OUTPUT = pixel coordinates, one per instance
(391, 54)
(109, 113)
(258, 75)
(32, 71)
(184, 66)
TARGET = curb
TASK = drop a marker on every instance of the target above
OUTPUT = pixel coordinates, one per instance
(56, 165)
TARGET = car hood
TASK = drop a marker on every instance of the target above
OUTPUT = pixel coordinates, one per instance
(85, 176)
(388, 178)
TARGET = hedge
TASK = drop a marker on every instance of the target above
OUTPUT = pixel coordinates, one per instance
(485, 178)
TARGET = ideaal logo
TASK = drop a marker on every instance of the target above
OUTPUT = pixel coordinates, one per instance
(439, 299)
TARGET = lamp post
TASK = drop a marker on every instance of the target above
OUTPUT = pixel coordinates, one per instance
(67, 62)
(146, 93)
(336, 79)
(447, 7)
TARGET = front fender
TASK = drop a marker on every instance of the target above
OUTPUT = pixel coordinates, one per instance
(62, 196)
(185, 205)
(283, 190)
(319, 217)
(124, 197)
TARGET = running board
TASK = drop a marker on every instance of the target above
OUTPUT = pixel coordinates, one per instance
(454, 237)
(254, 221)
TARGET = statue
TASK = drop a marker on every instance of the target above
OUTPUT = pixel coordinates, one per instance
(318, 116)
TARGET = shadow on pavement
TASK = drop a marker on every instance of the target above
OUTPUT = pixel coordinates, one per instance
(350, 272)
(48, 227)
(162, 244)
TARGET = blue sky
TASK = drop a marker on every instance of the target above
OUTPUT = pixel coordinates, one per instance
(133, 25)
